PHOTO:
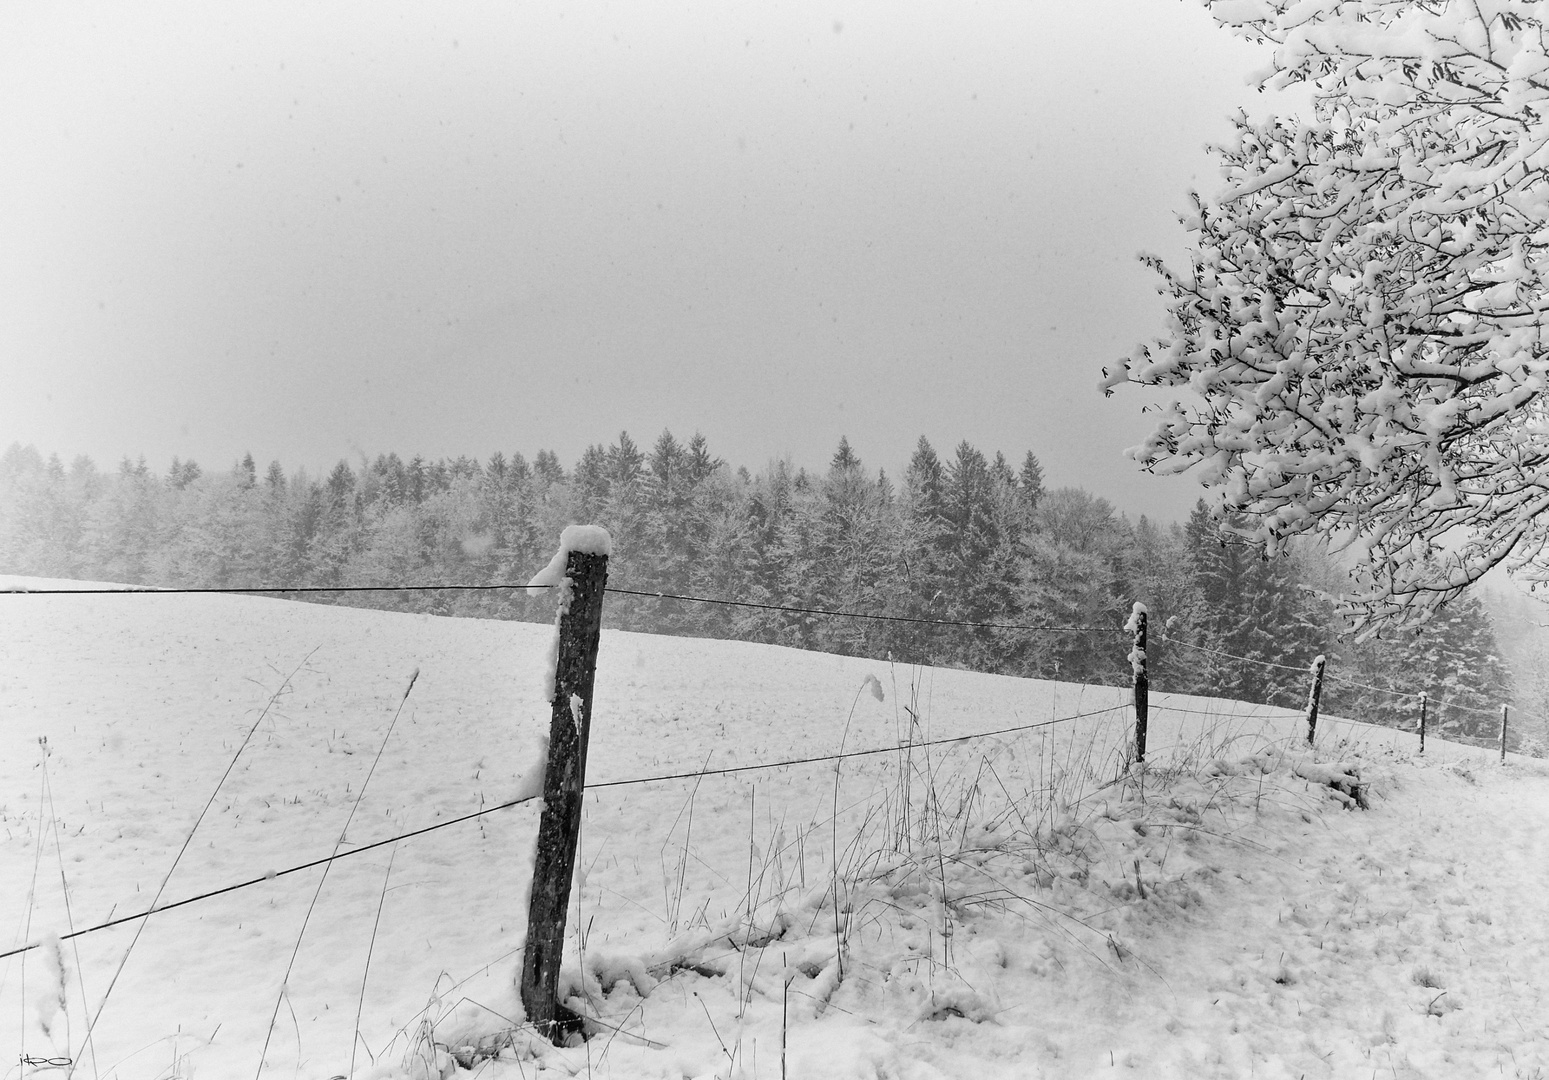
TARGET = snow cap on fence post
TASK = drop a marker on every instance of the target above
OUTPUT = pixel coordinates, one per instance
(579, 574)
(587, 540)
(1142, 683)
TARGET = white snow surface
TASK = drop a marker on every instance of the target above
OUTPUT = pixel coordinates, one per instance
(1226, 917)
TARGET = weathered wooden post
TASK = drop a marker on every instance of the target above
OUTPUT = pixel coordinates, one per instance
(1137, 660)
(1504, 710)
(578, 573)
(1423, 700)
(1312, 697)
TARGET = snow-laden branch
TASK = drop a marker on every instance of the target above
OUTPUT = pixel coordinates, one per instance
(1359, 331)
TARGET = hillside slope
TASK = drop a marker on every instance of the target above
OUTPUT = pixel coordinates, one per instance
(1002, 906)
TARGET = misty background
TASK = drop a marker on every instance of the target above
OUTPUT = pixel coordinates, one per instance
(322, 233)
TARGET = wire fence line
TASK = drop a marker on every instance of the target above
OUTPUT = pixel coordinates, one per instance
(259, 589)
(1411, 695)
(634, 781)
(1376, 689)
(667, 777)
(277, 590)
(848, 754)
(507, 586)
(968, 623)
(274, 874)
(1155, 706)
(631, 782)
(1415, 695)
(897, 748)
(1303, 669)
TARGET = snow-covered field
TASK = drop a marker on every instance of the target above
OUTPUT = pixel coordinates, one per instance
(1006, 906)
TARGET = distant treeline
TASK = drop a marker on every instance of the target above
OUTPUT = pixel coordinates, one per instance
(966, 538)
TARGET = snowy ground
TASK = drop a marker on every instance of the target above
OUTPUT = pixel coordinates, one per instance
(1006, 906)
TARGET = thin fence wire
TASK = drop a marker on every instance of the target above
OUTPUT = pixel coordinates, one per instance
(848, 754)
(1495, 712)
(1440, 703)
(972, 624)
(261, 590)
(747, 604)
(685, 597)
(272, 875)
(770, 765)
(1340, 680)
(1302, 669)
(718, 601)
(662, 778)
(763, 766)
(1154, 706)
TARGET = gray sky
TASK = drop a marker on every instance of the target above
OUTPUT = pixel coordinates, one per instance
(315, 231)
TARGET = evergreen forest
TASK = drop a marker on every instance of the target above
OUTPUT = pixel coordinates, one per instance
(964, 538)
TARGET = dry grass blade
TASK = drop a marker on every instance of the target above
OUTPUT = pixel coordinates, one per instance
(323, 878)
(140, 929)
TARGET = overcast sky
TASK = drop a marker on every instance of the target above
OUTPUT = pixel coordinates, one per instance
(320, 231)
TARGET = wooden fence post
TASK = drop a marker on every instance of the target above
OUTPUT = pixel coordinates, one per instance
(1312, 697)
(1504, 709)
(1142, 682)
(1424, 698)
(580, 624)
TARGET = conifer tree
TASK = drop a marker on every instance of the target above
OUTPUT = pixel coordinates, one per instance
(416, 479)
(1252, 611)
(833, 549)
(919, 588)
(1070, 575)
(547, 469)
(981, 554)
(665, 556)
(590, 483)
(700, 463)
(770, 503)
(1453, 657)
(624, 461)
(247, 471)
(1030, 481)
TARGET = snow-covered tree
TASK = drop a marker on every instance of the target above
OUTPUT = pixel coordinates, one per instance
(1030, 481)
(834, 554)
(1073, 573)
(1360, 326)
(1253, 616)
(1454, 658)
